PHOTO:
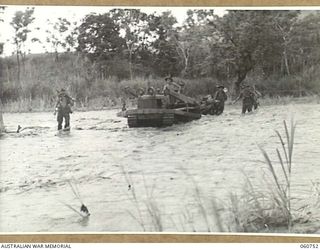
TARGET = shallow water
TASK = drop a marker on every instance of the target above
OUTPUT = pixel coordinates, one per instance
(165, 167)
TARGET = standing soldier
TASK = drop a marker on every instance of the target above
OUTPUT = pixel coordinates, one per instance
(247, 99)
(63, 107)
(256, 95)
(169, 82)
(220, 98)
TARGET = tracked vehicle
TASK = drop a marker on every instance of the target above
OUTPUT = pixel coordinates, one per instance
(161, 110)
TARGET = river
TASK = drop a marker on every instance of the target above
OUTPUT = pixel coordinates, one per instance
(130, 177)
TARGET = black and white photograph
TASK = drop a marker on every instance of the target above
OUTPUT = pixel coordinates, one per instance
(160, 119)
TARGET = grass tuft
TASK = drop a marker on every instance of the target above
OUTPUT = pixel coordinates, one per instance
(269, 208)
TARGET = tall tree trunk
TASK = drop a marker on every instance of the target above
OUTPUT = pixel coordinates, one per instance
(285, 57)
(18, 64)
(244, 66)
(184, 54)
(1, 119)
(240, 79)
(56, 54)
(186, 63)
(130, 64)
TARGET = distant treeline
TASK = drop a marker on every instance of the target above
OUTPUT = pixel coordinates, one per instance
(277, 51)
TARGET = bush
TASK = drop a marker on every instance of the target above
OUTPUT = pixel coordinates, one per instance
(41, 75)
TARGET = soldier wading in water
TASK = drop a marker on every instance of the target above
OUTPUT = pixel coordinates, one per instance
(63, 107)
(256, 96)
(220, 98)
(248, 98)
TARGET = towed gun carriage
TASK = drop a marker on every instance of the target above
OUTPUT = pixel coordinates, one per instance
(161, 110)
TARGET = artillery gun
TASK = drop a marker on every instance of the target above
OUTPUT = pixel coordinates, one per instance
(161, 110)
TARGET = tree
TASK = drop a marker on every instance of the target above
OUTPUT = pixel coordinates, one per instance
(284, 22)
(255, 39)
(60, 36)
(2, 8)
(239, 31)
(166, 58)
(239, 39)
(133, 23)
(99, 39)
(303, 42)
(192, 41)
(21, 22)
(1, 72)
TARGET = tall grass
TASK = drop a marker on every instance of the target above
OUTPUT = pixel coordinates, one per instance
(268, 207)
(265, 206)
(282, 194)
(41, 76)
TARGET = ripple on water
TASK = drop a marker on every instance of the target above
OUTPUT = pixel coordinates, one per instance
(213, 152)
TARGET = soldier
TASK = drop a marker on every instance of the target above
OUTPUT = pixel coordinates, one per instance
(124, 108)
(256, 95)
(247, 98)
(170, 82)
(220, 98)
(208, 105)
(63, 107)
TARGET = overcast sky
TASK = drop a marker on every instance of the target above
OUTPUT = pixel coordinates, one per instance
(76, 13)
(72, 13)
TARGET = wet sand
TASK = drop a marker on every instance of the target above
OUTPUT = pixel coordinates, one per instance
(165, 167)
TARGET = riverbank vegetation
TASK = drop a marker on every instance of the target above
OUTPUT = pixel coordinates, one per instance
(276, 51)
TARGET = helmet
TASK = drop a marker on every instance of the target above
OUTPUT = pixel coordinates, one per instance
(168, 77)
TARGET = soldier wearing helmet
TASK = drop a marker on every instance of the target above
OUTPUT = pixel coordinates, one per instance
(247, 97)
(63, 108)
(220, 98)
